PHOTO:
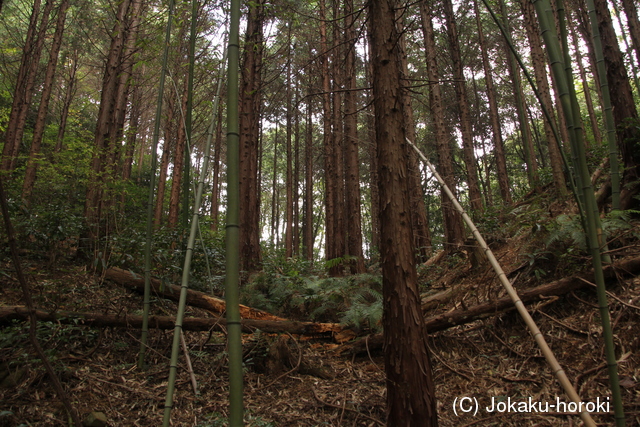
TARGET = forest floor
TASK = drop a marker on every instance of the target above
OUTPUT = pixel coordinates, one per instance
(491, 360)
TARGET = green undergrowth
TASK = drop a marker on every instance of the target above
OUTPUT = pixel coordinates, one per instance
(285, 290)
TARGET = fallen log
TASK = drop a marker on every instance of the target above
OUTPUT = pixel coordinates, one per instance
(194, 298)
(322, 330)
(491, 308)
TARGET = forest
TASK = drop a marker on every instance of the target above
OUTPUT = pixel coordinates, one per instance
(319, 213)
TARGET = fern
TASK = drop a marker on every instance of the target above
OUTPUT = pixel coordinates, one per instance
(568, 228)
(365, 311)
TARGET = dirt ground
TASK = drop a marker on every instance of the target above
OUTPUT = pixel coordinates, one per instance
(489, 361)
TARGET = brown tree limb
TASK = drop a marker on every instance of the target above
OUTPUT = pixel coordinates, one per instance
(194, 298)
(321, 330)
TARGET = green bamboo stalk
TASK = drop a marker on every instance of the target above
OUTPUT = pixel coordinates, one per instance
(610, 126)
(513, 294)
(152, 183)
(579, 133)
(561, 69)
(232, 279)
(186, 270)
(580, 156)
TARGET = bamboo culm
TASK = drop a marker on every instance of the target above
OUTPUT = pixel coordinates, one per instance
(186, 270)
(232, 278)
(560, 66)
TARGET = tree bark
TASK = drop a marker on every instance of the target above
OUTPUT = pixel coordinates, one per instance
(410, 390)
(373, 162)
(250, 94)
(419, 220)
(104, 145)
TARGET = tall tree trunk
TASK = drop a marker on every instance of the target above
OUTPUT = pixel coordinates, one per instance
(373, 162)
(494, 115)
(352, 162)
(339, 233)
(631, 11)
(103, 145)
(70, 91)
(419, 220)
(525, 132)
(307, 222)
(25, 84)
(132, 131)
(167, 146)
(43, 109)
(296, 177)
(215, 190)
(540, 71)
(250, 94)
(628, 48)
(593, 118)
(453, 226)
(288, 232)
(475, 197)
(624, 108)
(581, 11)
(178, 163)
(274, 191)
(331, 250)
(410, 391)
(116, 133)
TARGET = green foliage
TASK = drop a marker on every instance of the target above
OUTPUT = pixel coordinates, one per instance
(168, 252)
(355, 301)
(365, 311)
(568, 228)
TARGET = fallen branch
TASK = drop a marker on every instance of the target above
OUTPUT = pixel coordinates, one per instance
(194, 298)
(324, 330)
(491, 308)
